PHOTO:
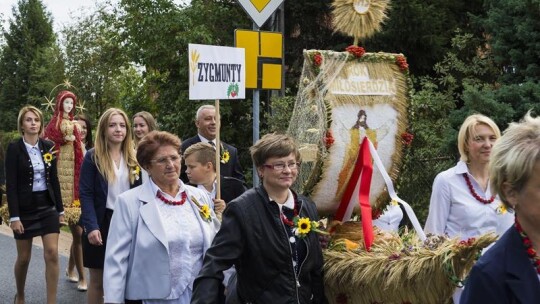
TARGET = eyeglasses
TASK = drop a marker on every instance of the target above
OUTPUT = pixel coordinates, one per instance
(163, 161)
(282, 166)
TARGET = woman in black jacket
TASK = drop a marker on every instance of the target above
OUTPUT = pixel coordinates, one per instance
(267, 234)
(34, 201)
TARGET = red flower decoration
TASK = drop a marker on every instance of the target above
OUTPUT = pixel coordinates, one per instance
(531, 251)
(356, 51)
(527, 242)
(317, 59)
(401, 61)
(328, 139)
(407, 138)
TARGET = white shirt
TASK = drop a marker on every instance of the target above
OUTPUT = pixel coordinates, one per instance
(39, 181)
(211, 194)
(205, 140)
(289, 203)
(120, 185)
(185, 237)
(390, 219)
(455, 212)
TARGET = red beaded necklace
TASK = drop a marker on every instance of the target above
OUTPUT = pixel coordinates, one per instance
(474, 194)
(287, 221)
(170, 202)
(528, 247)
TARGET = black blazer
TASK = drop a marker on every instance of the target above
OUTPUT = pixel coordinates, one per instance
(232, 168)
(231, 188)
(504, 274)
(20, 177)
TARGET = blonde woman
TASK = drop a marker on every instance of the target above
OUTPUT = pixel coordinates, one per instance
(109, 169)
(143, 123)
(34, 200)
(462, 203)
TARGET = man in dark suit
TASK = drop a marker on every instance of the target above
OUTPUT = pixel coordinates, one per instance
(205, 121)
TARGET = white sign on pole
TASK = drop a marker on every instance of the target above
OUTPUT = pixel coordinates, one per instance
(260, 10)
(216, 72)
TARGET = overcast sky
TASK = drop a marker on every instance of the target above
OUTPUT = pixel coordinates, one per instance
(59, 9)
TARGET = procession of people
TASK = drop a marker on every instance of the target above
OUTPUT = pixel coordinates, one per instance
(153, 238)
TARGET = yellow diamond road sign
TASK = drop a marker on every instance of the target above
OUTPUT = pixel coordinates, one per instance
(260, 10)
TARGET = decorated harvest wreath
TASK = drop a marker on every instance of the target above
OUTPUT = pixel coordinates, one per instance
(350, 117)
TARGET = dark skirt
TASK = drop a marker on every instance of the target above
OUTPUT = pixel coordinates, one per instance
(94, 256)
(39, 218)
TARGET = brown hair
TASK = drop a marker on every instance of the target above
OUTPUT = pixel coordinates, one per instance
(149, 145)
(273, 145)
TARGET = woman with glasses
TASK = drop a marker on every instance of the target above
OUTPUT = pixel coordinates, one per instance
(108, 170)
(264, 234)
(159, 232)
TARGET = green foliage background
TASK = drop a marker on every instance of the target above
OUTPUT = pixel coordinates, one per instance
(465, 57)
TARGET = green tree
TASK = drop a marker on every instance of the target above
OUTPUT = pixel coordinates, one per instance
(95, 60)
(31, 62)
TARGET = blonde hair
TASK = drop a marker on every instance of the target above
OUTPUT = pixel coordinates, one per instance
(150, 121)
(23, 112)
(204, 153)
(514, 156)
(102, 158)
(467, 131)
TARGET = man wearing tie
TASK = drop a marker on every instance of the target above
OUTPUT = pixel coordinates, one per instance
(205, 121)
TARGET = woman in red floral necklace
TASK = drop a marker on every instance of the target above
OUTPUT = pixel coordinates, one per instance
(510, 271)
(462, 203)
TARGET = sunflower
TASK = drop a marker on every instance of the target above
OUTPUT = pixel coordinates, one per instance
(359, 18)
(225, 156)
(136, 171)
(205, 212)
(303, 225)
(47, 157)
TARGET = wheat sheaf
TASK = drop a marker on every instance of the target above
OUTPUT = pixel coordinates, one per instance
(359, 18)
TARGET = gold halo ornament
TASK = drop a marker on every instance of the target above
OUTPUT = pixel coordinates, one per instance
(359, 18)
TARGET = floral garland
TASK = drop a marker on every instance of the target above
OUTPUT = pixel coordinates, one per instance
(407, 138)
(359, 54)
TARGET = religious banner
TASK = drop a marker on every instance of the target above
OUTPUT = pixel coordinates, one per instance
(216, 72)
(344, 97)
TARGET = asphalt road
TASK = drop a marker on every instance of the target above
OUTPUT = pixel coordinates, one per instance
(35, 282)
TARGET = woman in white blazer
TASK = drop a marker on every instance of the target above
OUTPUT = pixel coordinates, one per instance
(159, 231)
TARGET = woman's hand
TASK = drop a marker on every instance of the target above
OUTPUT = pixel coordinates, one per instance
(62, 220)
(17, 227)
(94, 237)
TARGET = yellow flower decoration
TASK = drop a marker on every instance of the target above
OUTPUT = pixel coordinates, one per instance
(394, 203)
(48, 157)
(303, 226)
(501, 209)
(136, 172)
(76, 203)
(205, 212)
(225, 156)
